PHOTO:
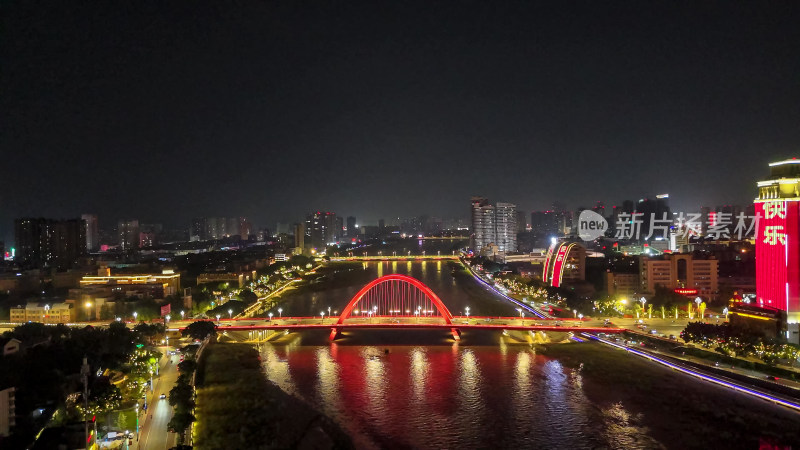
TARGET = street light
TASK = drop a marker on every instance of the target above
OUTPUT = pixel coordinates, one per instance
(137, 420)
(230, 313)
(725, 311)
(88, 309)
(574, 313)
(280, 313)
(182, 314)
(270, 317)
(135, 315)
(580, 316)
(46, 309)
(522, 317)
(167, 319)
(322, 315)
(218, 316)
(467, 310)
(643, 301)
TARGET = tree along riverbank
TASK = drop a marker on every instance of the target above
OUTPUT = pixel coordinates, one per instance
(237, 407)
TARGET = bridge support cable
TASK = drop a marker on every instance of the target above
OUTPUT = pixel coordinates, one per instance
(395, 296)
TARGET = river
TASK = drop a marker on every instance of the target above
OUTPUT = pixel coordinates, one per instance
(420, 389)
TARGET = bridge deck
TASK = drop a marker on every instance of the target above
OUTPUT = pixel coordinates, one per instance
(461, 326)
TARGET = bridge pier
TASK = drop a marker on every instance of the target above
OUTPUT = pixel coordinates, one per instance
(334, 333)
(456, 333)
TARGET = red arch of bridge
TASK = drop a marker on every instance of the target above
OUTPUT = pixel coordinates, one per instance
(396, 277)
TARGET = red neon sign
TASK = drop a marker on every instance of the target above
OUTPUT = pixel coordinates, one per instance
(686, 291)
(778, 254)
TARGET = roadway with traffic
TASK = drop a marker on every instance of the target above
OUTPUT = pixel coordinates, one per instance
(153, 431)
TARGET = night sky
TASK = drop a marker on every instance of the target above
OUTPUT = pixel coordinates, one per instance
(164, 111)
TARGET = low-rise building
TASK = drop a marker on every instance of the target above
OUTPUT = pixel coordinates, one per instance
(622, 284)
(157, 285)
(44, 313)
(226, 277)
(8, 413)
(680, 271)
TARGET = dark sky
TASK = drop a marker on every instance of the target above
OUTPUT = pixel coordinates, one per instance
(167, 110)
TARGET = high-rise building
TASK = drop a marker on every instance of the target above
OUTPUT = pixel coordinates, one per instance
(522, 221)
(778, 242)
(245, 228)
(128, 234)
(351, 227)
(321, 229)
(505, 223)
(299, 236)
(339, 230)
(198, 231)
(600, 208)
(232, 227)
(494, 225)
(92, 237)
(49, 243)
(549, 223)
(483, 230)
(150, 234)
(215, 228)
(655, 213)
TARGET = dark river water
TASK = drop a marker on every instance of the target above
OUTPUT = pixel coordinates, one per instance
(421, 389)
(446, 395)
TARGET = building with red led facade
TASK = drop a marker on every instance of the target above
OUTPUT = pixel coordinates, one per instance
(778, 243)
(564, 263)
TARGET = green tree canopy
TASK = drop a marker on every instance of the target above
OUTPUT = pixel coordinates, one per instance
(200, 329)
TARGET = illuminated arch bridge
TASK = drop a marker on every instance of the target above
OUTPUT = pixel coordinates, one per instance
(395, 296)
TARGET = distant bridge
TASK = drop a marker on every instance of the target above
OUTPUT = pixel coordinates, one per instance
(396, 258)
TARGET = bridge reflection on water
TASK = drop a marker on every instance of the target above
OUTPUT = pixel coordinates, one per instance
(432, 392)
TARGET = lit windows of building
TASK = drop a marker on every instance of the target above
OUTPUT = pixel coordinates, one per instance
(494, 224)
(679, 271)
(43, 313)
(159, 285)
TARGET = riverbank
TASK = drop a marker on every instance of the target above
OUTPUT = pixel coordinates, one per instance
(238, 408)
(683, 413)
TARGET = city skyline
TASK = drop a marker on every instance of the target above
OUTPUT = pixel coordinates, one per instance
(415, 224)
